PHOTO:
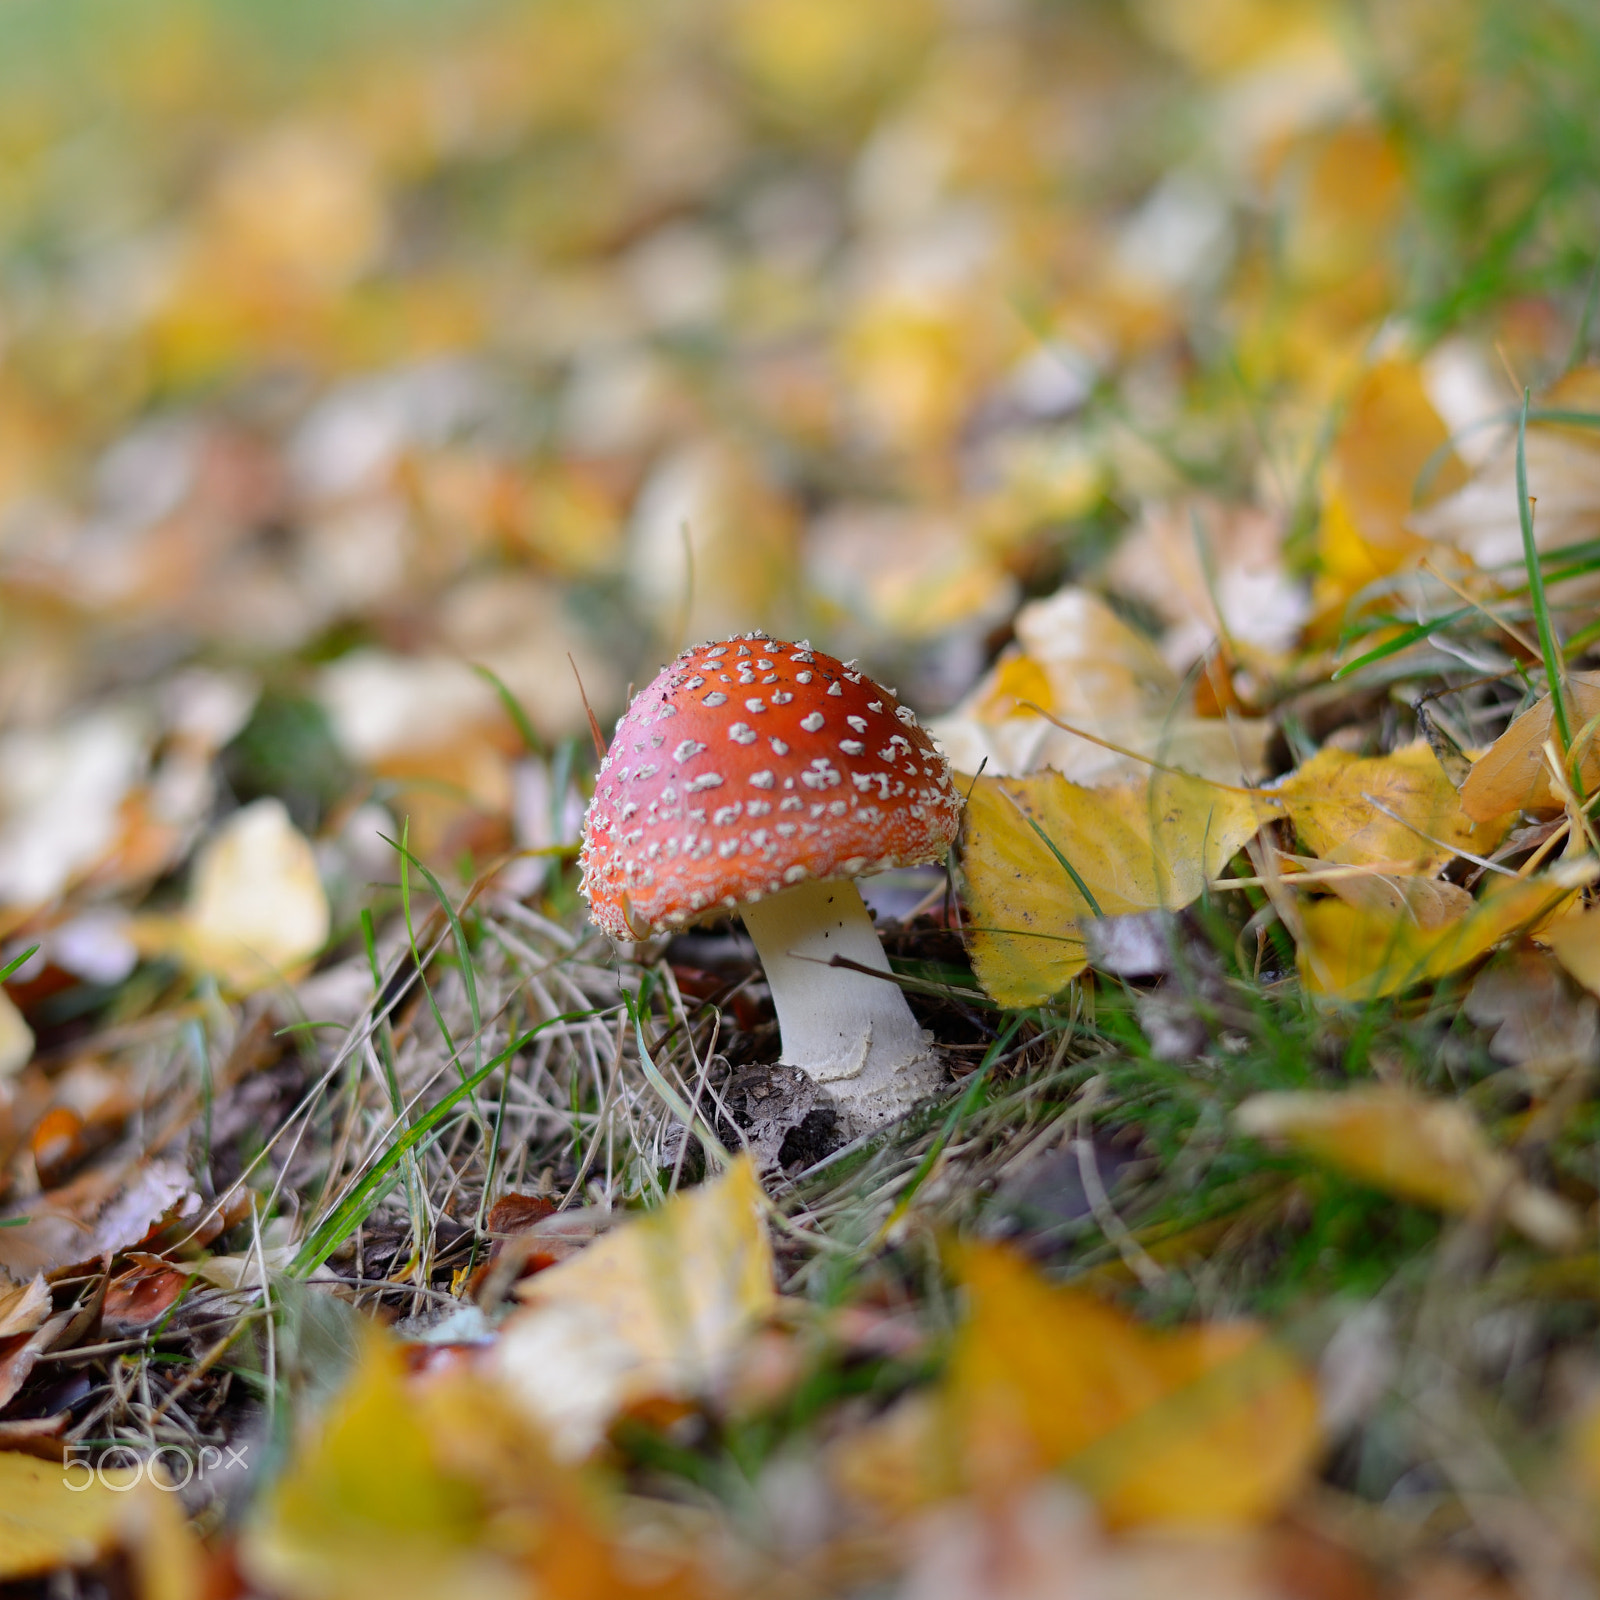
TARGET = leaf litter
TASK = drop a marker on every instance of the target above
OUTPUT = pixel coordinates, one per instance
(1139, 388)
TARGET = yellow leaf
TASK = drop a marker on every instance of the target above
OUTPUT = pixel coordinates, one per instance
(1341, 806)
(1429, 902)
(1576, 943)
(49, 1517)
(1390, 437)
(1359, 954)
(1511, 775)
(366, 1508)
(654, 1308)
(256, 910)
(1429, 1151)
(1135, 847)
(439, 1486)
(1205, 1424)
(1099, 675)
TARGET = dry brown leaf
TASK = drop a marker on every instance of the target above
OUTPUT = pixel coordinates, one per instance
(1212, 1424)
(654, 1308)
(1398, 808)
(103, 1211)
(1138, 846)
(23, 1306)
(1533, 1020)
(1512, 775)
(1429, 1151)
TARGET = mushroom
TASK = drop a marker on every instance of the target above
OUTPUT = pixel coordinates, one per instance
(763, 777)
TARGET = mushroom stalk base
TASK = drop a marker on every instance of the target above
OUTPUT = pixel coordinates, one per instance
(853, 1034)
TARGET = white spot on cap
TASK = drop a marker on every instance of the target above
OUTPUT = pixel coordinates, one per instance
(874, 705)
(854, 865)
(706, 780)
(851, 747)
(648, 770)
(723, 815)
(742, 733)
(717, 650)
(779, 748)
(761, 780)
(715, 698)
(802, 677)
(755, 703)
(833, 688)
(689, 747)
(781, 697)
(795, 874)
(906, 715)
(812, 723)
(858, 723)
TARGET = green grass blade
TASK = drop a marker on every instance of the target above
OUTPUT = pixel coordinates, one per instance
(18, 962)
(1403, 641)
(1541, 607)
(349, 1214)
(513, 709)
(674, 1101)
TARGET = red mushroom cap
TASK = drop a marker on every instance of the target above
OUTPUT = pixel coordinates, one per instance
(749, 766)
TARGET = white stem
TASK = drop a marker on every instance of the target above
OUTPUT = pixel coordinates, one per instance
(853, 1033)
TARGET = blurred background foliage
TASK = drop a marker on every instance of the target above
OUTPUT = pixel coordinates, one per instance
(340, 346)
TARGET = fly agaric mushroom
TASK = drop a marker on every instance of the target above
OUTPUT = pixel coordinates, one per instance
(763, 777)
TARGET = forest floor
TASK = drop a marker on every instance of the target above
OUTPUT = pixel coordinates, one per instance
(1190, 407)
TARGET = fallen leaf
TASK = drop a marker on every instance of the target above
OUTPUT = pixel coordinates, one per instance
(23, 1306)
(1200, 1425)
(61, 794)
(365, 1508)
(97, 1213)
(141, 1298)
(1429, 902)
(256, 912)
(1078, 661)
(654, 1308)
(1214, 572)
(1432, 1152)
(1399, 809)
(1533, 1020)
(1045, 1543)
(16, 1038)
(50, 1520)
(1563, 466)
(1511, 775)
(440, 1486)
(1390, 436)
(1576, 943)
(1356, 953)
(20, 1354)
(1147, 845)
